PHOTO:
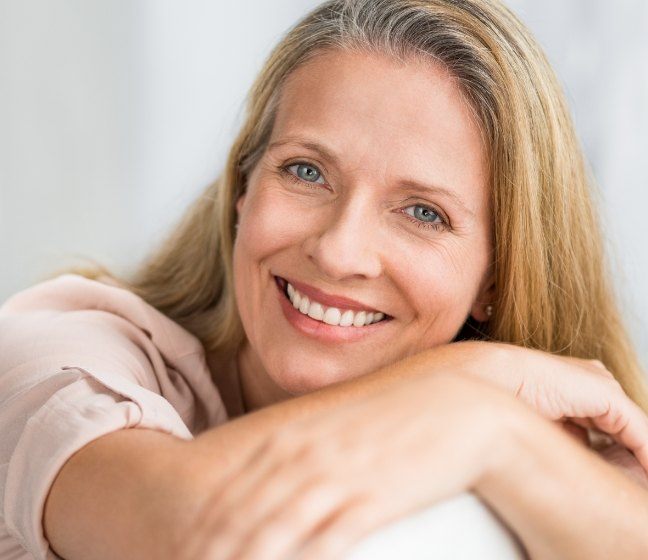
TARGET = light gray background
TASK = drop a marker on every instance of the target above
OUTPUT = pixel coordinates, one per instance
(115, 113)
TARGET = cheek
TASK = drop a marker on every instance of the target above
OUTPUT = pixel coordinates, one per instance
(273, 222)
(443, 278)
(269, 224)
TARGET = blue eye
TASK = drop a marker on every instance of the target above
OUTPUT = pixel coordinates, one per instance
(305, 172)
(425, 214)
(426, 217)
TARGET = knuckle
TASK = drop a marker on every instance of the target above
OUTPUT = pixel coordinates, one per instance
(617, 422)
(614, 384)
(602, 368)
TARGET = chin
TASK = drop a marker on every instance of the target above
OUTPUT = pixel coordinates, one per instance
(299, 385)
(306, 380)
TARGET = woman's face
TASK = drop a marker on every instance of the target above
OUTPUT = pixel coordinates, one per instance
(392, 211)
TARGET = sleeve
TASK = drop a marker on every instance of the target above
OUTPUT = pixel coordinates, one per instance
(67, 378)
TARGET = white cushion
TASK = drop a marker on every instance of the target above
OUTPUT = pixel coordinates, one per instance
(459, 528)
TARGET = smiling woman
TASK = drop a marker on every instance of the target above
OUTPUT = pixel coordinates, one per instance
(398, 262)
(347, 221)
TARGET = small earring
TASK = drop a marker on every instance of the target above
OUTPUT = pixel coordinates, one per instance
(489, 310)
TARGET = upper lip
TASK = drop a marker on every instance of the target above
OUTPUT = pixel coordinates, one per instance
(330, 299)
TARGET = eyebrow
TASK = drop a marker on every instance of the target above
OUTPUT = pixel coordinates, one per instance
(413, 185)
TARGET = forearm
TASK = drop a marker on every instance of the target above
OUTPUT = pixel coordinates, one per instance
(561, 499)
(219, 449)
(116, 497)
(133, 493)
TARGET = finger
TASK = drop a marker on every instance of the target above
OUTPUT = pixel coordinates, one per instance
(337, 535)
(594, 366)
(615, 414)
(288, 525)
(220, 516)
(599, 367)
(628, 425)
(585, 422)
(269, 485)
(228, 528)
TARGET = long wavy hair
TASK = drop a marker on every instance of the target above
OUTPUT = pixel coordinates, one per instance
(554, 290)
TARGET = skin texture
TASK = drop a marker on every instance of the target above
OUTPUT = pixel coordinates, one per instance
(309, 476)
(256, 479)
(354, 228)
(319, 478)
(455, 421)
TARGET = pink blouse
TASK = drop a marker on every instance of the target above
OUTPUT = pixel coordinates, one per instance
(80, 359)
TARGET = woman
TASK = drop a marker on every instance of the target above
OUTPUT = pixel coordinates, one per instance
(401, 260)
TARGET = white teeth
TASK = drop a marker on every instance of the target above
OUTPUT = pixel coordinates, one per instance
(359, 319)
(331, 315)
(347, 318)
(304, 305)
(315, 311)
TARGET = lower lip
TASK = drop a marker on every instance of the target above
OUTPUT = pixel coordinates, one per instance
(323, 331)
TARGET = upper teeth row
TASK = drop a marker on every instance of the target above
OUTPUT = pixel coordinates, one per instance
(331, 315)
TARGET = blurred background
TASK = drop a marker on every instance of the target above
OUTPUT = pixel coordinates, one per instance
(114, 114)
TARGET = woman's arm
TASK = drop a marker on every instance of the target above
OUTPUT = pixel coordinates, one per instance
(133, 492)
(157, 487)
(117, 497)
(563, 500)
(443, 434)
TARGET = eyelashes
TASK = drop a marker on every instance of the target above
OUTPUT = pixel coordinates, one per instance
(295, 178)
(437, 226)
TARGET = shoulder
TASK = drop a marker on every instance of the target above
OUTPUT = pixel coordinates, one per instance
(71, 296)
(112, 335)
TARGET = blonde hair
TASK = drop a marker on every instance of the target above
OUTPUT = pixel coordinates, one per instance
(553, 287)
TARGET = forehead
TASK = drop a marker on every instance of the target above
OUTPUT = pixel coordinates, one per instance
(400, 118)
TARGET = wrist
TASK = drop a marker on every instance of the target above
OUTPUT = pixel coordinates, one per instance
(516, 426)
(489, 361)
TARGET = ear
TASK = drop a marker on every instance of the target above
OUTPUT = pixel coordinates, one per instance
(486, 296)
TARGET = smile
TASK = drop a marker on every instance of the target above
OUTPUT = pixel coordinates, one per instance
(329, 315)
(327, 323)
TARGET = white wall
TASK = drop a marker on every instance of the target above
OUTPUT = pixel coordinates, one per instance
(115, 113)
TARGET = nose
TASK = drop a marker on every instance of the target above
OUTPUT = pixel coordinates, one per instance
(347, 242)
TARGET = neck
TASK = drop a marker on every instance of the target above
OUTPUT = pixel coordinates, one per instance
(258, 390)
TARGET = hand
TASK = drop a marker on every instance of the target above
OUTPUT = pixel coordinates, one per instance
(320, 484)
(563, 389)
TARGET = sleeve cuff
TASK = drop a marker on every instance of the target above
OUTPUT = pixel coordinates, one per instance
(92, 405)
